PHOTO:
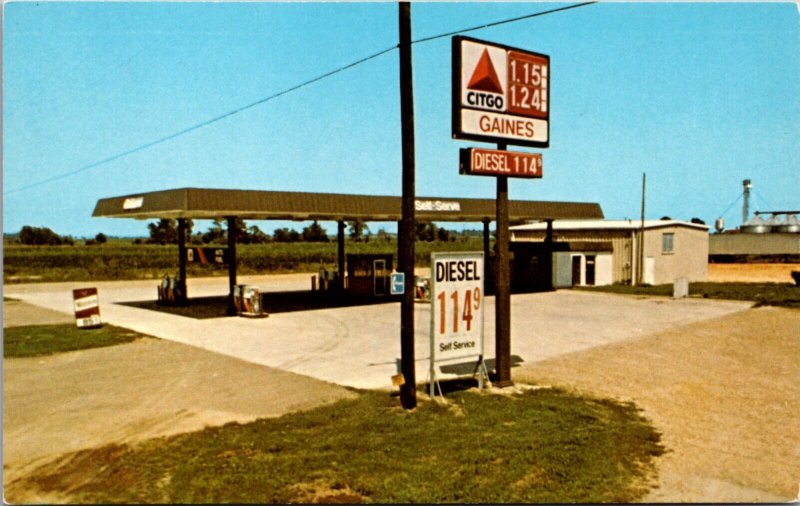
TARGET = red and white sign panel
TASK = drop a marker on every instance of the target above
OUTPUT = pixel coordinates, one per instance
(456, 306)
(500, 93)
(87, 307)
(491, 162)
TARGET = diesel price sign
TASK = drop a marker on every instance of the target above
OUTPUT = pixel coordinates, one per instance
(456, 305)
(491, 162)
(500, 94)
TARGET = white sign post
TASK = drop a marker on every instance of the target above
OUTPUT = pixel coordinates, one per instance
(456, 310)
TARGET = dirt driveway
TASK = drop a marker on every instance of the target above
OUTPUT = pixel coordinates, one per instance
(724, 393)
(63, 403)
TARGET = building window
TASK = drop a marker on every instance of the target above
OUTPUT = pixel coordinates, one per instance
(667, 243)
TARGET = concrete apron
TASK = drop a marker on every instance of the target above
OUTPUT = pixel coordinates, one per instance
(360, 346)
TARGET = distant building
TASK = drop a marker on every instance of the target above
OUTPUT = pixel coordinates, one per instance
(604, 252)
(759, 240)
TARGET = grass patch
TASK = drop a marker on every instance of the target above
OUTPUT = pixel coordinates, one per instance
(34, 340)
(763, 294)
(544, 445)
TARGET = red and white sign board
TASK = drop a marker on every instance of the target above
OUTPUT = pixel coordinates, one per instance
(87, 307)
(500, 94)
(492, 162)
(456, 306)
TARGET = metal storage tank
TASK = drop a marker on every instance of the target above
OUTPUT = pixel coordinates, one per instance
(757, 225)
(791, 225)
(774, 222)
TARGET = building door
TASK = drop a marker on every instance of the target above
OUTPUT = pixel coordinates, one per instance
(576, 270)
(590, 269)
(379, 275)
(649, 271)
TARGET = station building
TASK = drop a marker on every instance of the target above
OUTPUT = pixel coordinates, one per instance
(604, 252)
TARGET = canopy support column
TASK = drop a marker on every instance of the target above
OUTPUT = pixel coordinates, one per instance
(340, 255)
(548, 241)
(231, 264)
(182, 260)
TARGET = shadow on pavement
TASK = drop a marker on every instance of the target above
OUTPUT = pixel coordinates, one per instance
(273, 302)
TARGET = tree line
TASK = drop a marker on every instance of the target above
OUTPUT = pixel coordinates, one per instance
(165, 231)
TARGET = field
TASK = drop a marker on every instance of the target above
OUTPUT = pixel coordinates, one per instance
(118, 261)
(751, 273)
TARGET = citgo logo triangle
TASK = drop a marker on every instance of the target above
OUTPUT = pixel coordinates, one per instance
(484, 78)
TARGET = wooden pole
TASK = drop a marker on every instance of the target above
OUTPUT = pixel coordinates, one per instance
(408, 391)
(502, 306)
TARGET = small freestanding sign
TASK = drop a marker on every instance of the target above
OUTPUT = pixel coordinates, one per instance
(493, 162)
(87, 308)
(456, 309)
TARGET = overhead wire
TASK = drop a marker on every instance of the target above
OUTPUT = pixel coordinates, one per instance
(238, 110)
(762, 199)
(730, 206)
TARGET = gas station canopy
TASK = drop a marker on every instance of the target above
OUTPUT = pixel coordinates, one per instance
(203, 203)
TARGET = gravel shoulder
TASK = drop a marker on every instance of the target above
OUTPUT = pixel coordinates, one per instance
(723, 392)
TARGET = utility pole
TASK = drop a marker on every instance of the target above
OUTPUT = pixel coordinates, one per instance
(408, 390)
(502, 298)
(640, 256)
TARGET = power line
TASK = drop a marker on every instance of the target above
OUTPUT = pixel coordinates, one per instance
(498, 23)
(731, 205)
(197, 126)
(762, 199)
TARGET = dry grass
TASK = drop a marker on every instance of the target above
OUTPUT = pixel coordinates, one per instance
(751, 273)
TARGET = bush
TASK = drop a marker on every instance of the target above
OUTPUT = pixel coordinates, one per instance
(36, 236)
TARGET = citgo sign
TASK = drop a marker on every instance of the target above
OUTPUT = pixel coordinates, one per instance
(500, 94)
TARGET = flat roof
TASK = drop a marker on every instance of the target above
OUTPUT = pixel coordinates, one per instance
(593, 224)
(205, 203)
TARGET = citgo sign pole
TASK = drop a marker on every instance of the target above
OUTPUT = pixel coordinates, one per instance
(457, 292)
(501, 94)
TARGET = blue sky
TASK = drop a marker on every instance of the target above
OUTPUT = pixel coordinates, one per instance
(698, 96)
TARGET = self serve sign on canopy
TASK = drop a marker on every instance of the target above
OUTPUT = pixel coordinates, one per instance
(500, 94)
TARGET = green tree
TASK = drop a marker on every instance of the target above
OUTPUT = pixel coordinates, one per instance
(41, 236)
(256, 235)
(424, 231)
(101, 238)
(215, 233)
(315, 233)
(286, 235)
(165, 231)
(356, 229)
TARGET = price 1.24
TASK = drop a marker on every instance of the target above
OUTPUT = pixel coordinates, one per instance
(462, 308)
